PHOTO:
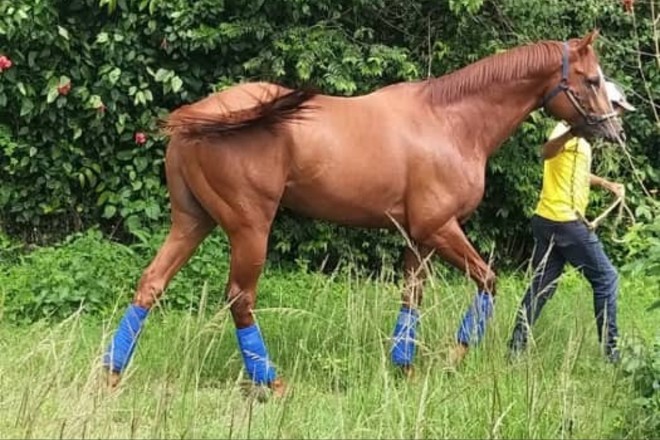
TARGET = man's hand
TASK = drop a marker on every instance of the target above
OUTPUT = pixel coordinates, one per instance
(617, 189)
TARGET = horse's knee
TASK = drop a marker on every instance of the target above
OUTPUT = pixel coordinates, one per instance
(149, 290)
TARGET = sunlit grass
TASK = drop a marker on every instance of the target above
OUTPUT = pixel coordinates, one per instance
(329, 338)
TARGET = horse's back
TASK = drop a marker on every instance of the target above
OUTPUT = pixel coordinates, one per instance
(237, 98)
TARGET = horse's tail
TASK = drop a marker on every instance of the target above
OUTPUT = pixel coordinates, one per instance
(190, 122)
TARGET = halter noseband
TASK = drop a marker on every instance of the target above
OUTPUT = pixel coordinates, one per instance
(563, 86)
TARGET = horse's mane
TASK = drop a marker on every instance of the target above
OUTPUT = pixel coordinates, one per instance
(498, 68)
(271, 111)
(268, 113)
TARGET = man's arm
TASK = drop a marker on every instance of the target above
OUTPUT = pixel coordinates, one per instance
(616, 188)
(554, 146)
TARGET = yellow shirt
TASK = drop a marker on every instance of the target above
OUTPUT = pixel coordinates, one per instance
(566, 180)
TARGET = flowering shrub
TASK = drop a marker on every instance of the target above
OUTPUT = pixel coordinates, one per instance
(83, 83)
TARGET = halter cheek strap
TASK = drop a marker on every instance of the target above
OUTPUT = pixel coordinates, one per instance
(563, 84)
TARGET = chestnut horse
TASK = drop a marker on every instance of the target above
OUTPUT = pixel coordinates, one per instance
(411, 156)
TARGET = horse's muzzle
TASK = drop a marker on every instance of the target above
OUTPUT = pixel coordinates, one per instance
(610, 129)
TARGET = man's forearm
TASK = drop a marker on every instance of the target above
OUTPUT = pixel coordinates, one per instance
(597, 181)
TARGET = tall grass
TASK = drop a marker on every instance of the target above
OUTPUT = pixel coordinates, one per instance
(329, 338)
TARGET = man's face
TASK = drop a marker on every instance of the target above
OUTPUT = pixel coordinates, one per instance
(618, 109)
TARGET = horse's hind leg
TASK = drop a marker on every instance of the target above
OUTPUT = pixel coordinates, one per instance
(451, 244)
(190, 225)
(403, 339)
(248, 256)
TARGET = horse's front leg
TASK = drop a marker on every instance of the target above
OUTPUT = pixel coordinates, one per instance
(451, 244)
(248, 255)
(403, 339)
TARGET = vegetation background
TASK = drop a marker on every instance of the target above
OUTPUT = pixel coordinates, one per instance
(83, 207)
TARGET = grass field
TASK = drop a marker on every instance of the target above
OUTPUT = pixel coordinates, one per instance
(329, 338)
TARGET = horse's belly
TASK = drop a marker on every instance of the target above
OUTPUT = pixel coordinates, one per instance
(356, 209)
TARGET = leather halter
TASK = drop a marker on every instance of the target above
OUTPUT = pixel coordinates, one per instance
(590, 118)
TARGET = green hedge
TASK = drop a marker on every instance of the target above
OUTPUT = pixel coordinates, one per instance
(78, 107)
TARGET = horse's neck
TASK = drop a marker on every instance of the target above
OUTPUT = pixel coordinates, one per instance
(491, 117)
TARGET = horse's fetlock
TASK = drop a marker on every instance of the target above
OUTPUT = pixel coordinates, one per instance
(148, 293)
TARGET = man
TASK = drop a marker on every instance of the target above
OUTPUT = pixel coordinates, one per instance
(561, 235)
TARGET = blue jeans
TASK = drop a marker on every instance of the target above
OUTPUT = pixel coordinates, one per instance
(557, 243)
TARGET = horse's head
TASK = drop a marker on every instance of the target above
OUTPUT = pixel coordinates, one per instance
(579, 95)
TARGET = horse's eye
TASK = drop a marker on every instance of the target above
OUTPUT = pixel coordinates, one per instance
(593, 81)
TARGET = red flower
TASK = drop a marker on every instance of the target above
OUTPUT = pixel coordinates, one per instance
(64, 89)
(628, 5)
(140, 138)
(5, 63)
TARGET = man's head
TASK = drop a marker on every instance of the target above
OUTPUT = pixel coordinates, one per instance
(617, 98)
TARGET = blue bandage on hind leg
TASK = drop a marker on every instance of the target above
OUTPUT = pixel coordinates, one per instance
(475, 319)
(403, 347)
(255, 356)
(121, 348)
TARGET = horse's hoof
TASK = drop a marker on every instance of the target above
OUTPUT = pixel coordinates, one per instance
(262, 393)
(457, 354)
(278, 388)
(112, 379)
(408, 371)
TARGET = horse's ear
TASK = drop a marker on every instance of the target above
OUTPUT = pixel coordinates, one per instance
(588, 40)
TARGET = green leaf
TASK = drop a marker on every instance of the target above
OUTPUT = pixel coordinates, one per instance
(94, 101)
(177, 83)
(63, 32)
(102, 38)
(104, 197)
(26, 106)
(114, 75)
(52, 95)
(109, 211)
(152, 211)
(141, 164)
(31, 57)
(125, 155)
(133, 223)
(139, 98)
(161, 75)
(91, 178)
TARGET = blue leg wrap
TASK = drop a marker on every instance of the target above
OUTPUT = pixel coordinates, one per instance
(475, 318)
(403, 347)
(121, 348)
(255, 356)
